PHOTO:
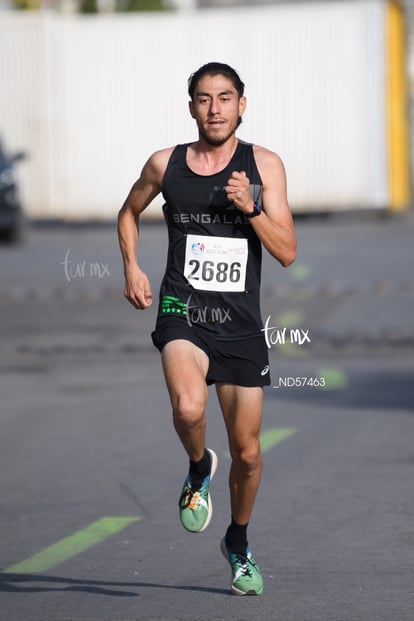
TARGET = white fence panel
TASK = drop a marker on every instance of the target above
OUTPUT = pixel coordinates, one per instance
(90, 98)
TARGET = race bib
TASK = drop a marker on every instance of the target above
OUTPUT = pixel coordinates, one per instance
(216, 263)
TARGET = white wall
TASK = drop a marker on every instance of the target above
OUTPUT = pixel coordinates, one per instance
(92, 97)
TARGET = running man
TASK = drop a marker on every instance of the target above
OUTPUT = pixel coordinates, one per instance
(224, 199)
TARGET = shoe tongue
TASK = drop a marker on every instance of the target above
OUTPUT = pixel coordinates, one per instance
(242, 556)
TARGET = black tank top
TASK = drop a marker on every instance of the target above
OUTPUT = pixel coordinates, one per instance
(212, 278)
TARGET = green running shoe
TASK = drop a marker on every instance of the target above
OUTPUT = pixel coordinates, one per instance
(195, 506)
(246, 578)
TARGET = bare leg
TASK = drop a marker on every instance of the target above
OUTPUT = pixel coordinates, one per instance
(242, 411)
(185, 367)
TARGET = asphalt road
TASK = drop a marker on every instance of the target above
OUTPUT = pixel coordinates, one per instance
(91, 469)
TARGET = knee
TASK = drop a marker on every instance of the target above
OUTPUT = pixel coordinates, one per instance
(188, 410)
(247, 458)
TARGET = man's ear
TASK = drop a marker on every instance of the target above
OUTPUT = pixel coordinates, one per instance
(191, 108)
(242, 105)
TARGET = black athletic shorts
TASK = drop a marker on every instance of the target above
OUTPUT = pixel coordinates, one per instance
(244, 362)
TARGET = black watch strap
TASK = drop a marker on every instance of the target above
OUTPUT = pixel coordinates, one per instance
(257, 209)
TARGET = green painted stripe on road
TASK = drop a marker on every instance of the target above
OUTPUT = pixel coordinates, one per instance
(300, 271)
(290, 319)
(292, 350)
(271, 437)
(335, 379)
(71, 546)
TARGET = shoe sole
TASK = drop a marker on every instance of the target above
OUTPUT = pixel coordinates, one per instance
(214, 461)
(234, 589)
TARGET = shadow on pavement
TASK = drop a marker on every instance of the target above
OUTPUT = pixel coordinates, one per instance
(8, 584)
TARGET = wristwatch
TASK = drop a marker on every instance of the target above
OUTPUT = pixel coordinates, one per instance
(257, 209)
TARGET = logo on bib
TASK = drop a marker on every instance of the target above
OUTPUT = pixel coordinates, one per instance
(197, 247)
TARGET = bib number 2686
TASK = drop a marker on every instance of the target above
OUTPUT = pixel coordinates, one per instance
(220, 272)
(216, 263)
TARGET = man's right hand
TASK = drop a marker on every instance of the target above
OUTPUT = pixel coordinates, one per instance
(138, 289)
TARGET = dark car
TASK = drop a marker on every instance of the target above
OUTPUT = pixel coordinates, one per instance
(11, 209)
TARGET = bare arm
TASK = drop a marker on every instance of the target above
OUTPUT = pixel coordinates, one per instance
(274, 225)
(145, 189)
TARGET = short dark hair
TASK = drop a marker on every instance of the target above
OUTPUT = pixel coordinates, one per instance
(215, 68)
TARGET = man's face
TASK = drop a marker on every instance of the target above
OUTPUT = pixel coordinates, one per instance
(216, 108)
